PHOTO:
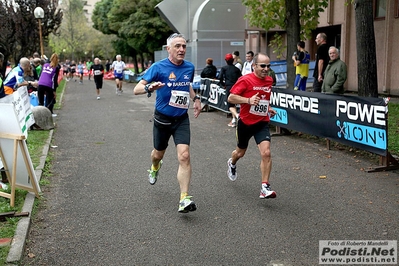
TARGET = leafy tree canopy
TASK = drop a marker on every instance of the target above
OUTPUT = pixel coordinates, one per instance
(134, 21)
(19, 30)
(270, 14)
(76, 39)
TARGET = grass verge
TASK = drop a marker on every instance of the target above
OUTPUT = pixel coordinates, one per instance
(36, 141)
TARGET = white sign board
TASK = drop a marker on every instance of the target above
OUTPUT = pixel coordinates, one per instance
(21, 101)
(10, 124)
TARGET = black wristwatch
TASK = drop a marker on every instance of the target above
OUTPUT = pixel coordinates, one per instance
(146, 88)
(196, 97)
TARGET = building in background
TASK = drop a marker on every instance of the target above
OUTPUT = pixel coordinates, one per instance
(88, 7)
(216, 27)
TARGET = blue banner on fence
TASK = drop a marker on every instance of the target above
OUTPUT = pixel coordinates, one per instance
(352, 120)
(355, 121)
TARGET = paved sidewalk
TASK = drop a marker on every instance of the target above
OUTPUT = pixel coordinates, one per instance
(100, 209)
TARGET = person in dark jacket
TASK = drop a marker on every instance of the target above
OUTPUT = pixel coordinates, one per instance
(210, 70)
(335, 74)
(229, 75)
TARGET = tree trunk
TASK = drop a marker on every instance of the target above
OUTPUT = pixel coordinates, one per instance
(365, 46)
(293, 28)
(3, 68)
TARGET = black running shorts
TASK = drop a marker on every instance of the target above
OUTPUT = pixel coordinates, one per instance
(166, 126)
(260, 131)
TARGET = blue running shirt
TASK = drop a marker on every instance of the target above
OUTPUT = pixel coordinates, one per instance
(173, 99)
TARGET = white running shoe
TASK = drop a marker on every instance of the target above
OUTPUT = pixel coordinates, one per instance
(266, 192)
(231, 170)
(187, 205)
(153, 174)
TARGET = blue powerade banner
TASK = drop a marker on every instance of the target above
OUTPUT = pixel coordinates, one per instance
(355, 121)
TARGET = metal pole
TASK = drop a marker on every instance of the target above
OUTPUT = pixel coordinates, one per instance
(40, 35)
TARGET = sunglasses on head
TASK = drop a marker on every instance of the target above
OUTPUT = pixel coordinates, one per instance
(264, 65)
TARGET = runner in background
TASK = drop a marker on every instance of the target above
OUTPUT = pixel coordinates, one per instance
(118, 66)
(98, 72)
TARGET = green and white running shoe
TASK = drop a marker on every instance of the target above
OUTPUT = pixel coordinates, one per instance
(153, 174)
(187, 205)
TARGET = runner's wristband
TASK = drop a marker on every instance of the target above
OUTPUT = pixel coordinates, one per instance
(196, 97)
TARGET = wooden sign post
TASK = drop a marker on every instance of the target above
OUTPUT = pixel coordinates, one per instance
(14, 154)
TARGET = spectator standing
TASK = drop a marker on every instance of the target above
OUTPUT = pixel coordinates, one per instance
(37, 66)
(107, 65)
(171, 78)
(16, 77)
(247, 67)
(301, 62)
(209, 70)
(253, 92)
(322, 59)
(30, 75)
(228, 76)
(237, 60)
(118, 66)
(335, 74)
(272, 74)
(38, 63)
(98, 74)
(48, 83)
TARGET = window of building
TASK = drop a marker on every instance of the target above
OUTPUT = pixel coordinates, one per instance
(380, 9)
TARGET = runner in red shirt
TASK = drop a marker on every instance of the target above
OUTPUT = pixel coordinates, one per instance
(252, 92)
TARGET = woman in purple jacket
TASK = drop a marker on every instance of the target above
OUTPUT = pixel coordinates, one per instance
(48, 82)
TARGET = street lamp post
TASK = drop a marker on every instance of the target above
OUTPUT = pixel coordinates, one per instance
(39, 14)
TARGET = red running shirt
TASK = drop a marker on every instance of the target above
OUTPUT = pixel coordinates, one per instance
(247, 86)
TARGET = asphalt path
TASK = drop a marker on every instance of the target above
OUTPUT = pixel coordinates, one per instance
(99, 208)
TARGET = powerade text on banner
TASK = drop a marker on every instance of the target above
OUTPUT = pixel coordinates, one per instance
(355, 121)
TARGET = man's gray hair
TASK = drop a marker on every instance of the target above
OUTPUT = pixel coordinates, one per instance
(24, 61)
(333, 47)
(173, 36)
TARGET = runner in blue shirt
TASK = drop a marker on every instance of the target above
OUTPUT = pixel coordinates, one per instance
(118, 66)
(171, 78)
